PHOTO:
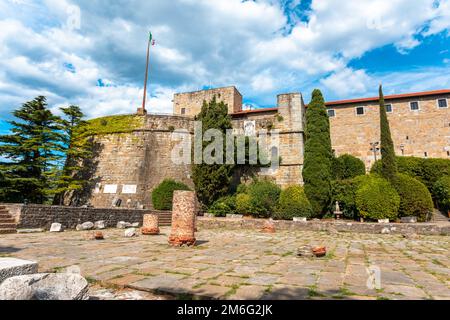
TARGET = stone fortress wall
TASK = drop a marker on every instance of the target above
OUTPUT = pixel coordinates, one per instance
(130, 165)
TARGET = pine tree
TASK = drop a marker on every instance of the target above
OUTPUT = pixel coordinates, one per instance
(31, 151)
(388, 164)
(76, 149)
(213, 180)
(318, 155)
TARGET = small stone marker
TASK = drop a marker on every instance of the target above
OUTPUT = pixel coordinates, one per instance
(131, 232)
(150, 224)
(56, 227)
(123, 225)
(305, 251)
(183, 218)
(86, 226)
(100, 225)
(10, 267)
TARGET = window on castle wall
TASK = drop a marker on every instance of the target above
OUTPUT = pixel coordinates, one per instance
(442, 103)
(425, 154)
(414, 105)
(389, 108)
(360, 111)
(331, 113)
(183, 110)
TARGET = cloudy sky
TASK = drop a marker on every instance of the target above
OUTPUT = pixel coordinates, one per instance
(92, 52)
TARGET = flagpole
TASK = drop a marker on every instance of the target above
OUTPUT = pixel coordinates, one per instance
(143, 110)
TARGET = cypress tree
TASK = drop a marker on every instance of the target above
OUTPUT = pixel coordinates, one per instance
(212, 181)
(388, 164)
(76, 149)
(318, 155)
(31, 151)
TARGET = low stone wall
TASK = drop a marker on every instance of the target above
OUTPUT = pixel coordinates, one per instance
(340, 226)
(38, 216)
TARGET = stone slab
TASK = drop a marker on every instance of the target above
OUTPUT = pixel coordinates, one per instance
(11, 267)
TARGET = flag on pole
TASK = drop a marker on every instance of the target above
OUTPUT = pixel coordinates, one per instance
(150, 36)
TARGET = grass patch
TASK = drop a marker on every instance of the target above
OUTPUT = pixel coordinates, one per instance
(438, 263)
(383, 298)
(287, 254)
(110, 124)
(233, 290)
(91, 280)
(177, 272)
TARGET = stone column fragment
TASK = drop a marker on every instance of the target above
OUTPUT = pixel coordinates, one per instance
(150, 226)
(183, 218)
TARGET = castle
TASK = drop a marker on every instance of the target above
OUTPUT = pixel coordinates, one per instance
(129, 165)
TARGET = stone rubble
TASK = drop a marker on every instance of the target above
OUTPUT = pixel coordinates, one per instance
(129, 233)
(56, 227)
(100, 225)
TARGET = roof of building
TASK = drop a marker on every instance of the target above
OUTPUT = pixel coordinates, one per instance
(389, 97)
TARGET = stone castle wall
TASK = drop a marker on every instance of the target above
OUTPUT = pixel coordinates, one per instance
(129, 165)
(190, 103)
(422, 133)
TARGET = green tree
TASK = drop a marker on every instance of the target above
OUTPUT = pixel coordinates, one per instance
(32, 152)
(212, 181)
(347, 167)
(76, 148)
(388, 164)
(318, 155)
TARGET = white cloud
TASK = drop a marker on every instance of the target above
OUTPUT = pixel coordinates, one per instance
(222, 42)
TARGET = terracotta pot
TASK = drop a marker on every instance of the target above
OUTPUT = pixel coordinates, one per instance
(98, 235)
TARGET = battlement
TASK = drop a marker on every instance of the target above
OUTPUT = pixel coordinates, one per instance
(190, 103)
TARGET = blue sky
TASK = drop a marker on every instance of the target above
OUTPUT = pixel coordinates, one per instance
(92, 52)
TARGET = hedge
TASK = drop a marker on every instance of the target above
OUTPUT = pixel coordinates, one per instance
(428, 171)
(415, 199)
(293, 203)
(264, 196)
(376, 199)
(162, 195)
(243, 204)
(223, 206)
(442, 193)
(344, 192)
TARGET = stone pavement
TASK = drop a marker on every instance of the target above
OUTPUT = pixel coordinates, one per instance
(246, 264)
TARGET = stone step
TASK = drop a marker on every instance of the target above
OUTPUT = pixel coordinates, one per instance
(7, 225)
(5, 216)
(7, 220)
(2, 208)
(8, 231)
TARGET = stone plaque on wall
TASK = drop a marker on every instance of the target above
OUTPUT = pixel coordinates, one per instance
(249, 128)
(129, 188)
(110, 188)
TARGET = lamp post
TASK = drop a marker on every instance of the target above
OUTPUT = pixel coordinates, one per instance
(374, 148)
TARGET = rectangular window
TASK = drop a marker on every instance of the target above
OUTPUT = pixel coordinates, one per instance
(425, 154)
(442, 103)
(360, 111)
(414, 105)
(389, 108)
(331, 113)
(183, 110)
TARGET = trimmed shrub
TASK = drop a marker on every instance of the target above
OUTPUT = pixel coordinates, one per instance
(347, 167)
(344, 191)
(243, 204)
(415, 199)
(376, 199)
(427, 171)
(162, 195)
(442, 193)
(223, 206)
(293, 203)
(264, 196)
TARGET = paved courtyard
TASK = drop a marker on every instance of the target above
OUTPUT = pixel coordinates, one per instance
(245, 264)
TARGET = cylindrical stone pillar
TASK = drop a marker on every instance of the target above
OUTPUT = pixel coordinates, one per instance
(184, 210)
(150, 225)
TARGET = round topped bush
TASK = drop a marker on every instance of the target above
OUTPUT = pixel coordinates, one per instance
(264, 196)
(223, 206)
(377, 199)
(243, 204)
(442, 193)
(415, 199)
(347, 167)
(293, 203)
(162, 195)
